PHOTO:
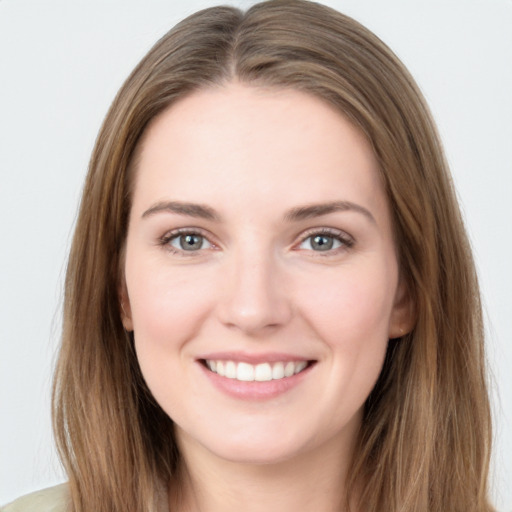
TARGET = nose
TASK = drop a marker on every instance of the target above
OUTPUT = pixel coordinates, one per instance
(254, 296)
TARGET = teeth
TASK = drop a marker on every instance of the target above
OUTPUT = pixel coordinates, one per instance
(260, 372)
(263, 372)
(230, 370)
(245, 372)
(289, 369)
(278, 371)
(300, 366)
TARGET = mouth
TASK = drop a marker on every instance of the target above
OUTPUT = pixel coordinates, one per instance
(262, 372)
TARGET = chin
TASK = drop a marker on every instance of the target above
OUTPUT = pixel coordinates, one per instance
(257, 454)
(264, 446)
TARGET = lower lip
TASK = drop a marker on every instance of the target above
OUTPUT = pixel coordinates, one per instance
(255, 390)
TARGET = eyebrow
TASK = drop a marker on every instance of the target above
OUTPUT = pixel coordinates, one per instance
(317, 210)
(295, 214)
(188, 209)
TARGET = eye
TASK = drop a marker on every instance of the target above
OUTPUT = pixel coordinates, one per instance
(320, 243)
(325, 241)
(186, 241)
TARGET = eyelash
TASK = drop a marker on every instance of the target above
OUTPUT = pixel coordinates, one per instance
(346, 241)
(165, 241)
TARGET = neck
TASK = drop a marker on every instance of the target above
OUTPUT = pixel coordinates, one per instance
(309, 482)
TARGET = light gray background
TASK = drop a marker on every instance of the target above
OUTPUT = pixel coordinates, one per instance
(61, 63)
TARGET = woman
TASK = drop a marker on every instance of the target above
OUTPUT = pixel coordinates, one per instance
(270, 299)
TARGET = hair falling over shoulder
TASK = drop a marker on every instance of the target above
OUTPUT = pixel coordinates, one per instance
(426, 434)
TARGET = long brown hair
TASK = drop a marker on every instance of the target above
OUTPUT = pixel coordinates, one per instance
(425, 438)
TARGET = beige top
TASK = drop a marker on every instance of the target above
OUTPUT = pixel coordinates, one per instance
(53, 499)
(56, 499)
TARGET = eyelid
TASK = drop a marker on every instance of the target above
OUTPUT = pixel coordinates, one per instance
(174, 233)
(346, 239)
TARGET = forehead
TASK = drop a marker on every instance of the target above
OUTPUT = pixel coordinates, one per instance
(239, 141)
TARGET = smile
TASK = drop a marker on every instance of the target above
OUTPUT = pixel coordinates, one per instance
(262, 372)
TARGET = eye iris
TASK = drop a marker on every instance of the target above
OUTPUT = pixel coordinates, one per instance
(191, 242)
(322, 242)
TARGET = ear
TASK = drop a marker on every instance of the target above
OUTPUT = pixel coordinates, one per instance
(403, 315)
(124, 306)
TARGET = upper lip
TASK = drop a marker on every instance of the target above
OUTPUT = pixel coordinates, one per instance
(251, 358)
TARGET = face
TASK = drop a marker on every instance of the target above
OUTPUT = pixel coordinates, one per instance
(261, 279)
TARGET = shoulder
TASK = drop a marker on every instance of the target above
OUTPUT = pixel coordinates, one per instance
(53, 499)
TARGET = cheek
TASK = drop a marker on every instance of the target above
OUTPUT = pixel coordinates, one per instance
(354, 305)
(167, 304)
(168, 307)
(351, 316)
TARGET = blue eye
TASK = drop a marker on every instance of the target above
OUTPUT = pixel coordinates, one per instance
(320, 243)
(189, 242)
(326, 241)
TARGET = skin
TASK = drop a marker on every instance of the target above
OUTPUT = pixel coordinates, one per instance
(256, 286)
